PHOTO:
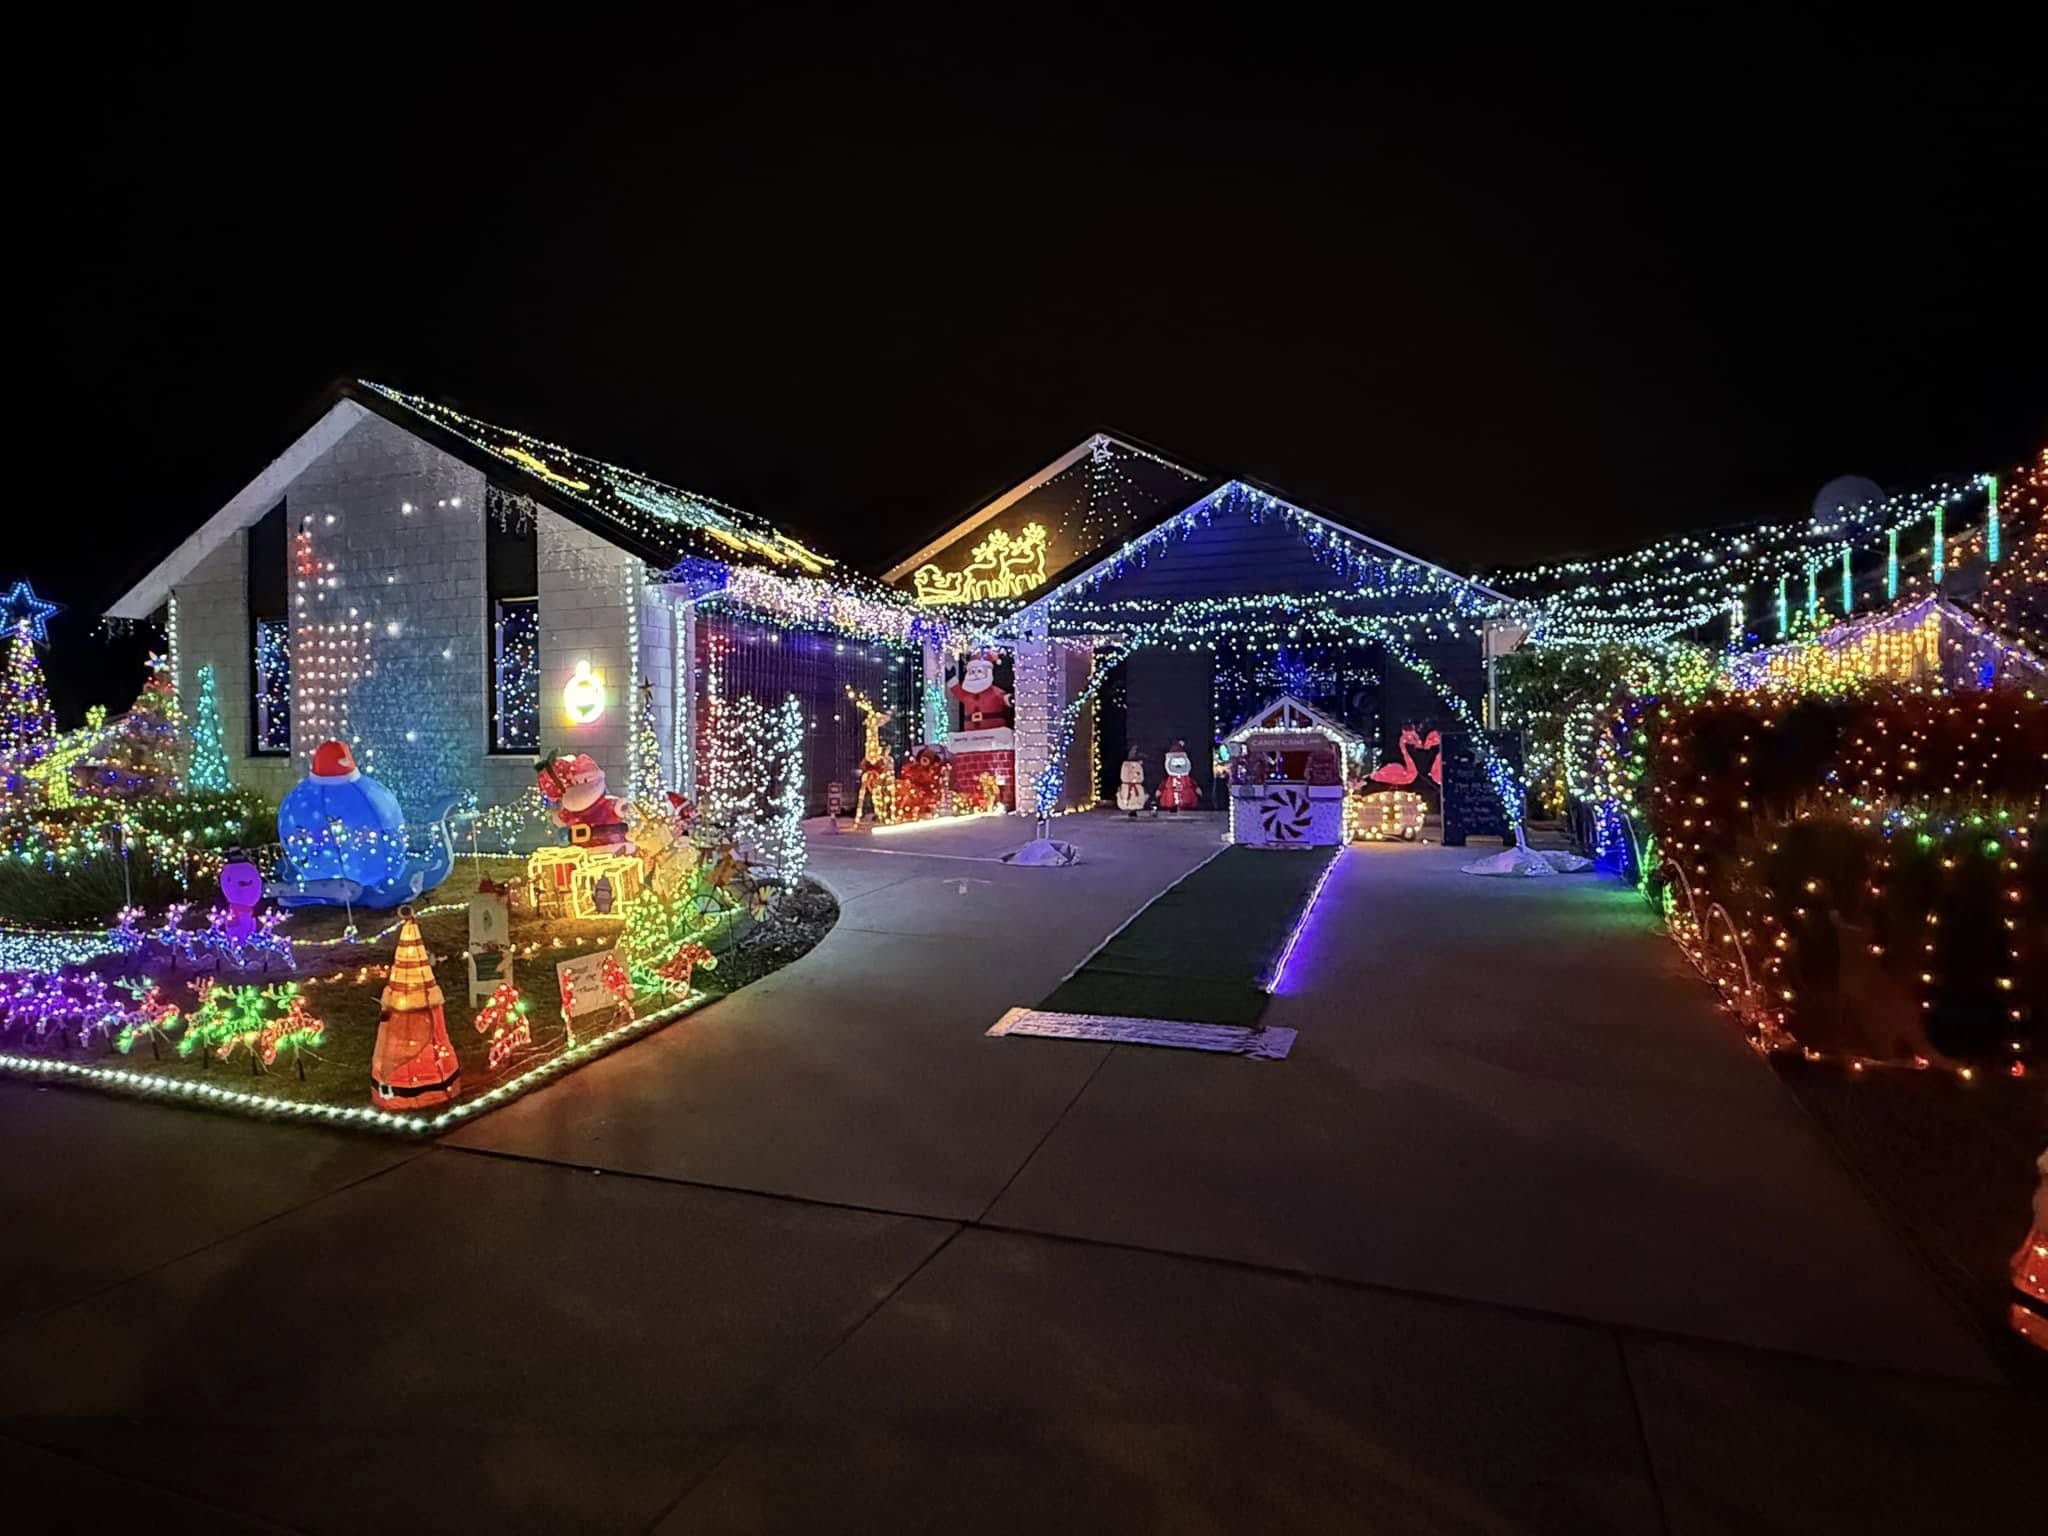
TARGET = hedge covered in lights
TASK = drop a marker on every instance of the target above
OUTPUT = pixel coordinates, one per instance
(1880, 855)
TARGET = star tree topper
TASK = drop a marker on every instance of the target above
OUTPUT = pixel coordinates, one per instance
(22, 609)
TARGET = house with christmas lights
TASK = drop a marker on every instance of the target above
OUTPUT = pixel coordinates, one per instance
(452, 598)
(1138, 602)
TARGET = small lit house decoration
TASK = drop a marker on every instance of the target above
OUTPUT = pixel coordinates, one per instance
(414, 1065)
(1002, 565)
(582, 882)
(1287, 776)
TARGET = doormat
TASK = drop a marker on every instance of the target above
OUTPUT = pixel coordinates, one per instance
(1227, 1039)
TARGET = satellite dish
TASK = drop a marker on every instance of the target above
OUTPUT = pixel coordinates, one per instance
(1845, 494)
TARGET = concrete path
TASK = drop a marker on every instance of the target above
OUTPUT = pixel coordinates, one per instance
(1509, 1091)
(826, 1258)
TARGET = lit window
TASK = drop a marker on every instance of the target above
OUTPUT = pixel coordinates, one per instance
(273, 691)
(515, 674)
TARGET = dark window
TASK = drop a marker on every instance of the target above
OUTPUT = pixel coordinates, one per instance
(512, 611)
(270, 652)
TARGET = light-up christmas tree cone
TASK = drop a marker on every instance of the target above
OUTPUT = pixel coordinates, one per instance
(414, 1064)
(646, 788)
(209, 770)
(27, 725)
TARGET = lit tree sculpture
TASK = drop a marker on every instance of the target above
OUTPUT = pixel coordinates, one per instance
(646, 788)
(27, 725)
(138, 759)
(209, 750)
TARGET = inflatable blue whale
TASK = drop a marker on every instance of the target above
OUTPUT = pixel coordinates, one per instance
(344, 841)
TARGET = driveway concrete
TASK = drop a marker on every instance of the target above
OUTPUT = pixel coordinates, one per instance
(860, 1074)
(1511, 1091)
(1429, 1274)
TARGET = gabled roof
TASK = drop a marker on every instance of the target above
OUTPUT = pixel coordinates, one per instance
(1148, 511)
(1287, 713)
(635, 511)
(659, 523)
(1097, 448)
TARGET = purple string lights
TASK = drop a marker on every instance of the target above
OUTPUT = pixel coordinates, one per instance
(1279, 971)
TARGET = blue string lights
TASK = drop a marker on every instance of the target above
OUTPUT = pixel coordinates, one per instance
(21, 608)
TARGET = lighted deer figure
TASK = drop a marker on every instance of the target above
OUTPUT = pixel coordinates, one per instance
(877, 767)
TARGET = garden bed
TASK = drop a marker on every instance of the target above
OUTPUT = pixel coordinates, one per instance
(342, 982)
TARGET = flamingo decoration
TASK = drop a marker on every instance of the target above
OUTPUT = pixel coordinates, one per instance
(1405, 771)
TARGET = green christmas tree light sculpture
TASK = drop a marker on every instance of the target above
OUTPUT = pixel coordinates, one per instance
(209, 770)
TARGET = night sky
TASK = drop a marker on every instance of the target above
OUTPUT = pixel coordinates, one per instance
(1492, 309)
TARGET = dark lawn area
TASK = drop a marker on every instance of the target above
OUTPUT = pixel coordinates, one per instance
(1201, 952)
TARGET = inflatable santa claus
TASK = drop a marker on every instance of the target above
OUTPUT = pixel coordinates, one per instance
(983, 706)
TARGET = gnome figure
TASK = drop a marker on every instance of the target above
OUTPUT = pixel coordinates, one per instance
(983, 706)
(413, 1066)
(1177, 790)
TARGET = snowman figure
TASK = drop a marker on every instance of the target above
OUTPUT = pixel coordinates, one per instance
(983, 706)
(1130, 788)
(1177, 792)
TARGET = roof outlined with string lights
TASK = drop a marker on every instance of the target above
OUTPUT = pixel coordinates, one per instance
(661, 524)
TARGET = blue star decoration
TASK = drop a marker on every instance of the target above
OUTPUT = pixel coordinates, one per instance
(23, 607)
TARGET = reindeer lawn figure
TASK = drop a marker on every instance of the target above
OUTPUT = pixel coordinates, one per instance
(877, 767)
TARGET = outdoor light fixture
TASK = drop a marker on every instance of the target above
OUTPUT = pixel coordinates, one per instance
(583, 695)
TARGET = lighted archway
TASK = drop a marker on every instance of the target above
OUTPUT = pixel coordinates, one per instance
(1195, 623)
